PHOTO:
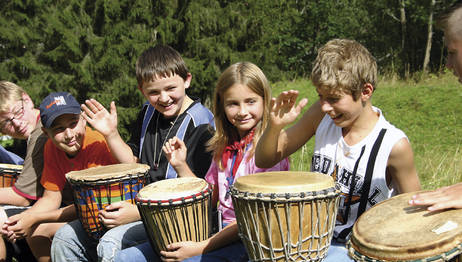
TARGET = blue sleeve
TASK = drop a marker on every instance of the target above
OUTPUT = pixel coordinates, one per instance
(7, 157)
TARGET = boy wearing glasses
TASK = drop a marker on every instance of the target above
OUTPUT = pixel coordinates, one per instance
(20, 120)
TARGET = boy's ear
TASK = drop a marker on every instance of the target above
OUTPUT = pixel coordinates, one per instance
(187, 82)
(367, 91)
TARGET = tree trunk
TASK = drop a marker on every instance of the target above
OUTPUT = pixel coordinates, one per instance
(403, 23)
(429, 38)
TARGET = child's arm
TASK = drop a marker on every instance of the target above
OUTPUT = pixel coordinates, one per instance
(175, 150)
(274, 144)
(106, 123)
(21, 225)
(439, 199)
(401, 167)
(182, 250)
(9, 197)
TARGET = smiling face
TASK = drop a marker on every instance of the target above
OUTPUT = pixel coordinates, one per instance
(243, 108)
(67, 133)
(340, 106)
(167, 94)
(20, 119)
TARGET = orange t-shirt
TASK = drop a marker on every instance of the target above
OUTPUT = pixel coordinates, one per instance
(94, 152)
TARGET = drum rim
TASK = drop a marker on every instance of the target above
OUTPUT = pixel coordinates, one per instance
(83, 175)
(355, 254)
(174, 201)
(104, 181)
(11, 167)
(330, 192)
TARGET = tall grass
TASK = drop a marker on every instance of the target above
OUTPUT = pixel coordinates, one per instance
(428, 111)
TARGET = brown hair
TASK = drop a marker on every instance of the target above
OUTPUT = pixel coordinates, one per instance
(344, 65)
(159, 61)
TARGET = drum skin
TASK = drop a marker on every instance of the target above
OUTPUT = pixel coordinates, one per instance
(8, 174)
(286, 215)
(176, 210)
(97, 187)
(393, 230)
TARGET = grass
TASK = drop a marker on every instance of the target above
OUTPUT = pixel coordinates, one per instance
(428, 111)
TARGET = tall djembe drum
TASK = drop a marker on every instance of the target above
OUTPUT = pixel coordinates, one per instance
(285, 216)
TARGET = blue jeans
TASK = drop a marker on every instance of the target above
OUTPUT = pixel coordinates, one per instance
(234, 252)
(337, 253)
(71, 242)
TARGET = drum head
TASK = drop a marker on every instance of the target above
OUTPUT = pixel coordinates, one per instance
(394, 230)
(283, 182)
(107, 172)
(173, 188)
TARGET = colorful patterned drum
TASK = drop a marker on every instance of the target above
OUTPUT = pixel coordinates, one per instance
(97, 187)
(175, 210)
(286, 216)
(395, 231)
(8, 174)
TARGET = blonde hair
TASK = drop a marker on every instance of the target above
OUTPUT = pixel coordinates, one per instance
(246, 74)
(451, 23)
(9, 94)
(344, 65)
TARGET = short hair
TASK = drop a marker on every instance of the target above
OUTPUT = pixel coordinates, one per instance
(9, 94)
(159, 61)
(344, 65)
(451, 22)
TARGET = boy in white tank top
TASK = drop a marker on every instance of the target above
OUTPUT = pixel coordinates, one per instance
(354, 143)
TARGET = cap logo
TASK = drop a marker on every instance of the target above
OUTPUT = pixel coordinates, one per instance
(59, 101)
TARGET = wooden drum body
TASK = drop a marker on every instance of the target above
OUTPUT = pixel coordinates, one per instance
(8, 174)
(97, 187)
(285, 216)
(175, 210)
(395, 231)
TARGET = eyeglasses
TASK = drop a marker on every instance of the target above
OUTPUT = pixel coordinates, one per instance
(18, 114)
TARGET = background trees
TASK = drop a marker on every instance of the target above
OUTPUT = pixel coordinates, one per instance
(89, 47)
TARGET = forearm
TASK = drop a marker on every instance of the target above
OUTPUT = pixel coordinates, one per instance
(183, 170)
(268, 152)
(9, 197)
(228, 235)
(64, 214)
(119, 149)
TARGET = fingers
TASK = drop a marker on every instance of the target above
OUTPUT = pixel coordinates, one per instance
(113, 108)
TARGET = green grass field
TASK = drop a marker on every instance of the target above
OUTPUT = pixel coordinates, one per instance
(428, 111)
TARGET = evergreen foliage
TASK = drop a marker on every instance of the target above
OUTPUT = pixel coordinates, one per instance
(89, 47)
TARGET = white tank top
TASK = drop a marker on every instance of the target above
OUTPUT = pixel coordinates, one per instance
(334, 157)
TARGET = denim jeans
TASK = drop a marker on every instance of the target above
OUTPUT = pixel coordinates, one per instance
(234, 252)
(71, 242)
(337, 253)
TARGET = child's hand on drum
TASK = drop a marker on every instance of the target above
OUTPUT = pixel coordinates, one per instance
(119, 213)
(182, 250)
(284, 110)
(99, 118)
(439, 199)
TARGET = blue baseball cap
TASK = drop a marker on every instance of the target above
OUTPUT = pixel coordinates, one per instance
(56, 104)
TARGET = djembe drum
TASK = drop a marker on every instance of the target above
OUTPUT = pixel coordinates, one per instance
(175, 210)
(97, 187)
(395, 231)
(8, 174)
(285, 216)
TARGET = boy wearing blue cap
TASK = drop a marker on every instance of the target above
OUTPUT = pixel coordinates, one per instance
(71, 146)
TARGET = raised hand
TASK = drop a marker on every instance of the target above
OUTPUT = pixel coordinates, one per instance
(284, 109)
(99, 118)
